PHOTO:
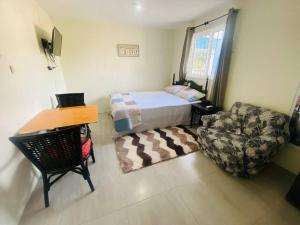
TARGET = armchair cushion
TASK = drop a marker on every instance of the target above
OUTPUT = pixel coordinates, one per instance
(256, 119)
(223, 121)
(256, 125)
(86, 148)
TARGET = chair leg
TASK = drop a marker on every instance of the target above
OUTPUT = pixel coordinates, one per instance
(87, 169)
(90, 183)
(86, 176)
(92, 154)
(46, 188)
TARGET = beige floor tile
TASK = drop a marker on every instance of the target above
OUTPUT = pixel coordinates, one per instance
(114, 193)
(145, 183)
(272, 184)
(116, 218)
(159, 210)
(108, 197)
(206, 208)
(185, 169)
(222, 199)
(239, 193)
(186, 190)
(285, 214)
(43, 216)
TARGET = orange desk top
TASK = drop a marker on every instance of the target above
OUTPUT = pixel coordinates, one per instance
(61, 117)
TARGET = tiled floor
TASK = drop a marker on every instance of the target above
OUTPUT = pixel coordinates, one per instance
(188, 190)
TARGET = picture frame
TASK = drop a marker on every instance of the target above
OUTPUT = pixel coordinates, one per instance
(128, 50)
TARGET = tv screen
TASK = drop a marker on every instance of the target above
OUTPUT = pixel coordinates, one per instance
(56, 42)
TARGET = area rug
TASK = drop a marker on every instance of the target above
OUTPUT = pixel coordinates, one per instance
(139, 150)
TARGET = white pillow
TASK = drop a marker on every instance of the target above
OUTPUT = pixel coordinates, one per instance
(174, 89)
(190, 94)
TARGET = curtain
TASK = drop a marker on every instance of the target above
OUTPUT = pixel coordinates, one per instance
(185, 53)
(295, 124)
(219, 83)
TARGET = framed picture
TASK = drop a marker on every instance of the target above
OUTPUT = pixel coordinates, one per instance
(128, 50)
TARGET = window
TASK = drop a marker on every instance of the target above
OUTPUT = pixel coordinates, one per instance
(205, 52)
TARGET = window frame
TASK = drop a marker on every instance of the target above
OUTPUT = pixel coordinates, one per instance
(200, 32)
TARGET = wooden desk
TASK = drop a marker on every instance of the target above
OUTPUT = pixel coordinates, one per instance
(61, 117)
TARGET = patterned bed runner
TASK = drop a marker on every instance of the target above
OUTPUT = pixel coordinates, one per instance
(125, 112)
(139, 150)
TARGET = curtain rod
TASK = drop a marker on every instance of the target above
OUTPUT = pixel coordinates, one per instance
(207, 22)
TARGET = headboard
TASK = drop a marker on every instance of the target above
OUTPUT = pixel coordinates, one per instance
(194, 85)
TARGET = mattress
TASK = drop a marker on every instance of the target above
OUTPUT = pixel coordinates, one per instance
(160, 109)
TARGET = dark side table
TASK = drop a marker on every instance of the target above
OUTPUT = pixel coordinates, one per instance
(293, 196)
(201, 110)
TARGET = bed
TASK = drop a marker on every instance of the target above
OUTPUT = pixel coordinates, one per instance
(150, 110)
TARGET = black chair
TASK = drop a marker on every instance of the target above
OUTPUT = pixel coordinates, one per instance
(75, 99)
(55, 154)
(70, 99)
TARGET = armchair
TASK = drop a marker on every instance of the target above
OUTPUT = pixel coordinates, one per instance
(243, 140)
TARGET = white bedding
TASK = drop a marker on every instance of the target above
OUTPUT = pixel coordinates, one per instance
(159, 109)
(157, 99)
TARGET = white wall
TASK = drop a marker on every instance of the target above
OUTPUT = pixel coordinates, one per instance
(91, 64)
(265, 67)
(265, 61)
(23, 93)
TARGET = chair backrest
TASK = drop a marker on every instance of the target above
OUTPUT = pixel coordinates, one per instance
(70, 99)
(257, 120)
(52, 151)
(244, 109)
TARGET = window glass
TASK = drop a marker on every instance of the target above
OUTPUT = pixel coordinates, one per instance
(205, 52)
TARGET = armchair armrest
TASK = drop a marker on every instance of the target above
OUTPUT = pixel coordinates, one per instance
(260, 149)
(258, 152)
(263, 146)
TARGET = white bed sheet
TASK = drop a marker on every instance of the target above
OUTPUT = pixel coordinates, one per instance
(157, 99)
(160, 109)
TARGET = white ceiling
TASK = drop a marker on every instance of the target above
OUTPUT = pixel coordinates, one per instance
(162, 13)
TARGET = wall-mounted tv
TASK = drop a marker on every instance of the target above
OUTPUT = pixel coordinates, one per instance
(56, 42)
(52, 48)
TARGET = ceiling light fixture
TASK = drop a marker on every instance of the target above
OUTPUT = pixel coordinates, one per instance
(138, 6)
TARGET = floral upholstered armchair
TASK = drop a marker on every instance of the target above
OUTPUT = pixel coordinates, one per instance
(243, 140)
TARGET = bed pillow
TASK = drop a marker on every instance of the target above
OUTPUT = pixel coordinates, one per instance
(174, 89)
(190, 94)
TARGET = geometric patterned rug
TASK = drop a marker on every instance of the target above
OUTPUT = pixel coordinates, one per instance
(139, 150)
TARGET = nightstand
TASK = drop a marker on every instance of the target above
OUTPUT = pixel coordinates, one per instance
(293, 195)
(201, 110)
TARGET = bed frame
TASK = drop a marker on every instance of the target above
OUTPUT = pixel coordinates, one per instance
(194, 85)
(180, 116)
